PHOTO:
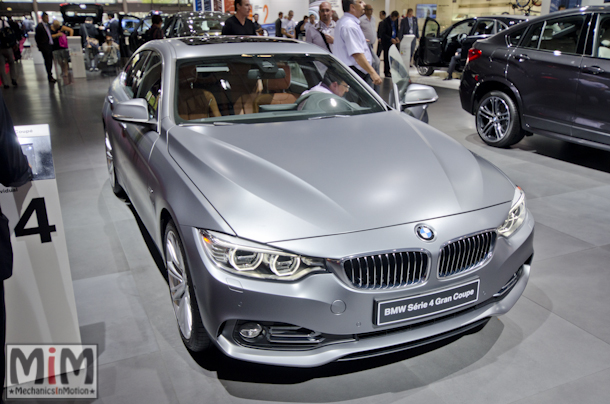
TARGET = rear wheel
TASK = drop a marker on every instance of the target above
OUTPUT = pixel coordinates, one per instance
(497, 119)
(192, 331)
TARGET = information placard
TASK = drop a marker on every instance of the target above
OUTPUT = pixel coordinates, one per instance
(40, 305)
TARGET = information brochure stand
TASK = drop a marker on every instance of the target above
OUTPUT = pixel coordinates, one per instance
(75, 46)
(40, 305)
(405, 49)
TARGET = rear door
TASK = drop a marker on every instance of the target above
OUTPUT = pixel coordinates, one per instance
(430, 44)
(545, 68)
(592, 118)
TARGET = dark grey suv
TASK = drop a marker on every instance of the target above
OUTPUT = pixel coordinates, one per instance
(549, 76)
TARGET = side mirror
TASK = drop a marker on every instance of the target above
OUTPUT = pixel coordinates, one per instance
(132, 111)
(419, 94)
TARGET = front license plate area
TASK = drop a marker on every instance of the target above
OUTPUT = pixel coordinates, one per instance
(411, 308)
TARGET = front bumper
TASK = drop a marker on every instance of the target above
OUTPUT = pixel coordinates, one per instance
(327, 305)
(370, 346)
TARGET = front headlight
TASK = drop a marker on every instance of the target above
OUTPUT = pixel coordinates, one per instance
(516, 215)
(248, 259)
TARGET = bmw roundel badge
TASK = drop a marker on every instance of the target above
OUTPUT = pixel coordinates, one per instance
(424, 232)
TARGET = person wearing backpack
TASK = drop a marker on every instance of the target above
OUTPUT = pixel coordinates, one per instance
(8, 39)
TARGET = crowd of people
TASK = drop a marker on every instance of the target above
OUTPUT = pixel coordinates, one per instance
(350, 38)
(51, 40)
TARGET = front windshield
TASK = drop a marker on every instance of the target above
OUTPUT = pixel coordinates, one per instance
(204, 25)
(268, 88)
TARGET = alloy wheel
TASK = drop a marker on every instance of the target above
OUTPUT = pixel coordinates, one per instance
(493, 119)
(424, 70)
(178, 284)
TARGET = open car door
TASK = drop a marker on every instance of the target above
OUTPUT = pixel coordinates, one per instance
(430, 43)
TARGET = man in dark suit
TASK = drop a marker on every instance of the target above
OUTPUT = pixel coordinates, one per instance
(389, 37)
(382, 16)
(408, 26)
(278, 25)
(45, 45)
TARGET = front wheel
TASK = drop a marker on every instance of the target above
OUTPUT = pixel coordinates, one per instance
(192, 331)
(424, 70)
(497, 119)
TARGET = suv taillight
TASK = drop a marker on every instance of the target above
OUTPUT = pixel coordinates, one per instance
(473, 54)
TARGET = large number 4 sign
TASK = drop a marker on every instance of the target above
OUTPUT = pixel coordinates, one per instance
(44, 229)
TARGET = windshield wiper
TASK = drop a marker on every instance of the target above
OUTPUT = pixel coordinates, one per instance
(329, 116)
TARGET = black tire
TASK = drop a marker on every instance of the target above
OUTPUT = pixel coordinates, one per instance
(497, 120)
(182, 293)
(114, 181)
(424, 70)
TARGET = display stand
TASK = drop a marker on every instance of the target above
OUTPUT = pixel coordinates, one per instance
(76, 56)
(405, 48)
(40, 305)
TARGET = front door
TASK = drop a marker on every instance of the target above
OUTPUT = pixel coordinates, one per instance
(545, 68)
(592, 118)
(430, 44)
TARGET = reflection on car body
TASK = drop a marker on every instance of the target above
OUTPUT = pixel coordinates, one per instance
(286, 237)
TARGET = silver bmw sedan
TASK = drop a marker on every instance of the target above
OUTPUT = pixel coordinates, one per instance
(302, 219)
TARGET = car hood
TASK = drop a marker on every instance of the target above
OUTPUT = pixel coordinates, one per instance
(290, 180)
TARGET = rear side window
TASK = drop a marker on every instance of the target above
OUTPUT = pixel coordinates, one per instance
(602, 39)
(562, 35)
(484, 27)
(559, 35)
(532, 38)
(514, 37)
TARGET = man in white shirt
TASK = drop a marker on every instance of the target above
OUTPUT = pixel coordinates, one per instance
(288, 25)
(323, 32)
(367, 23)
(350, 44)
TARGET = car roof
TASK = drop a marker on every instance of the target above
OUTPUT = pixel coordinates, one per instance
(189, 47)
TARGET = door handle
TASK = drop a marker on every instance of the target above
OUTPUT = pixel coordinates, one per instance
(522, 57)
(593, 69)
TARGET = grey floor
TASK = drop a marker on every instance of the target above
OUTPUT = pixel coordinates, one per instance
(552, 347)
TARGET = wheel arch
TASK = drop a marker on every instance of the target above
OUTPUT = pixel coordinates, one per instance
(497, 84)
